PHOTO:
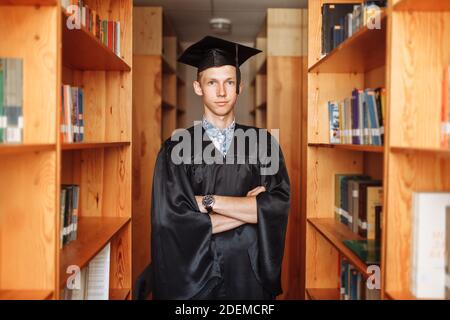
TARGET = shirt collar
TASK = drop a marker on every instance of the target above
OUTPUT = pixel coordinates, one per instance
(208, 126)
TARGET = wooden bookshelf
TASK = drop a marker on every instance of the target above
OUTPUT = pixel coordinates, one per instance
(335, 233)
(94, 234)
(415, 161)
(358, 62)
(323, 294)
(119, 294)
(33, 171)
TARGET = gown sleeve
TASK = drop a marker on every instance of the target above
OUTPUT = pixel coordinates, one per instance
(266, 254)
(183, 257)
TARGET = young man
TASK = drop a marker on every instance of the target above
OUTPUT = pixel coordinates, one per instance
(218, 227)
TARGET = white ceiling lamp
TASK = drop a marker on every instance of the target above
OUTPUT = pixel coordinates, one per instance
(219, 25)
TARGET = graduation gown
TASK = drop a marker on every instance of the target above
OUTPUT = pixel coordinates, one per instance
(189, 262)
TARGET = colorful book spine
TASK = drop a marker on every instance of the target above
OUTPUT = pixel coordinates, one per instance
(333, 114)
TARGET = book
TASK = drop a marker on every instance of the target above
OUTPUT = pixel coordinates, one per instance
(361, 205)
(2, 115)
(353, 285)
(72, 117)
(333, 114)
(98, 275)
(428, 244)
(367, 250)
(12, 102)
(344, 196)
(374, 200)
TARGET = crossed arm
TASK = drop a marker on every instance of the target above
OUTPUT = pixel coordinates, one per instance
(232, 212)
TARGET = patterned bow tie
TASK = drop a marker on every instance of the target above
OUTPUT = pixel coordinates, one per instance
(221, 138)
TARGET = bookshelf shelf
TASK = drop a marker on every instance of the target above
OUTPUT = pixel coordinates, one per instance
(168, 106)
(25, 294)
(323, 293)
(362, 52)
(21, 148)
(396, 295)
(335, 232)
(262, 106)
(119, 294)
(420, 5)
(93, 145)
(93, 234)
(81, 50)
(351, 147)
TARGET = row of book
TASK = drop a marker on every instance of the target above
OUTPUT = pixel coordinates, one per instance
(69, 204)
(11, 100)
(108, 32)
(353, 285)
(358, 204)
(445, 113)
(341, 21)
(92, 281)
(358, 119)
(72, 114)
(430, 245)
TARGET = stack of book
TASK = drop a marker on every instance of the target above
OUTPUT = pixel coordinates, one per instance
(70, 196)
(92, 282)
(72, 117)
(108, 32)
(353, 285)
(341, 21)
(358, 204)
(445, 113)
(430, 245)
(11, 100)
(358, 119)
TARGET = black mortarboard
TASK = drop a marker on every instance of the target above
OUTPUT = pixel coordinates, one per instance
(215, 52)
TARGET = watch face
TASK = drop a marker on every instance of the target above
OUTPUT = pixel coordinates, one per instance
(207, 201)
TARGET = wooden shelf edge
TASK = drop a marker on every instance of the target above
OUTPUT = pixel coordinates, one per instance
(26, 294)
(442, 151)
(28, 2)
(352, 147)
(93, 234)
(167, 68)
(71, 39)
(23, 148)
(420, 5)
(118, 294)
(338, 233)
(93, 145)
(347, 45)
(167, 106)
(323, 293)
(262, 106)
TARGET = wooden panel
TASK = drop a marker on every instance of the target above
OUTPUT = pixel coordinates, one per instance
(147, 35)
(420, 5)
(146, 144)
(353, 147)
(118, 294)
(28, 2)
(284, 32)
(417, 66)
(82, 145)
(25, 294)
(284, 102)
(121, 259)
(261, 89)
(31, 34)
(407, 172)
(375, 78)
(93, 234)
(22, 148)
(261, 44)
(28, 221)
(323, 294)
(169, 89)
(170, 51)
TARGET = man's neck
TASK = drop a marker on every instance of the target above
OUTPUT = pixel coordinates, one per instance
(220, 122)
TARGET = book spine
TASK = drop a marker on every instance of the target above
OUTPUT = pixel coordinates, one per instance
(2, 113)
(80, 114)
(110, 34)
(13, 100)
(118, 38)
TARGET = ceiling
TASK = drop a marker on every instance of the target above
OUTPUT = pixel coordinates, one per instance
(190, 17)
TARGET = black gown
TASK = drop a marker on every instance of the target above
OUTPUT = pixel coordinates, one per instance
(189, 262)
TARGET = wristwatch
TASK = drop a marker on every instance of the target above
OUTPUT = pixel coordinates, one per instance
(208, 202)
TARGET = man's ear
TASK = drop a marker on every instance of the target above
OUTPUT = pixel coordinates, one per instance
(241, 87)
(197, 88)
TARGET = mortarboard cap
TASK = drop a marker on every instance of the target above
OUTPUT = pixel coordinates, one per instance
(215, 52)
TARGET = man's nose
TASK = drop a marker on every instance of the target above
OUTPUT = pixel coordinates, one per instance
(222, 91)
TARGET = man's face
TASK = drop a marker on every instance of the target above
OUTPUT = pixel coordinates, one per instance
(217, 87)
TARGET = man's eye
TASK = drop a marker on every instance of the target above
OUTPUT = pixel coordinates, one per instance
(210, 83)
(231, 83)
